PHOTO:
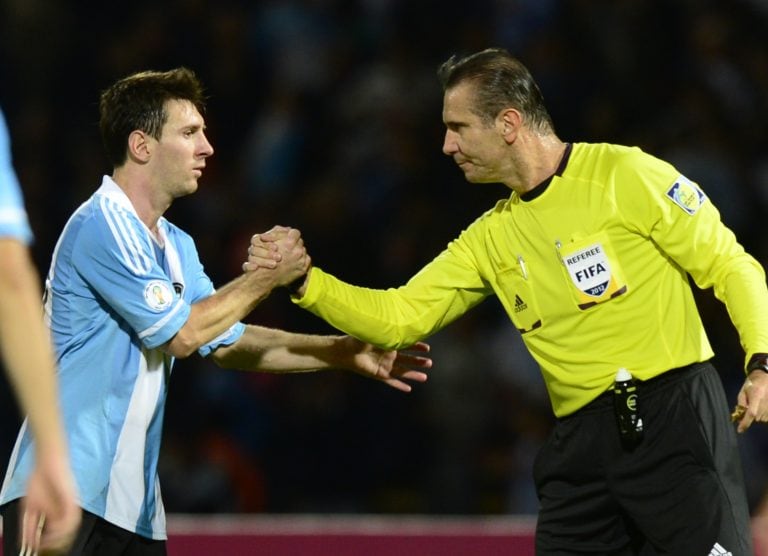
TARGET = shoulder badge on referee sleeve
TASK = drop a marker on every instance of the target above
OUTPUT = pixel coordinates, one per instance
(686, 195)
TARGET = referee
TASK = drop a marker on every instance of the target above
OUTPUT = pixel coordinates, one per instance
(590, 256)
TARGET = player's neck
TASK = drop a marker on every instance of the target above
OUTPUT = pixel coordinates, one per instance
(148, 203)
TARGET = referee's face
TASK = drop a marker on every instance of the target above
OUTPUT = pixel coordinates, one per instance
(179, 156)
(477, 147)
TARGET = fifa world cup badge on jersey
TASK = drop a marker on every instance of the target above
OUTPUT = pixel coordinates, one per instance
(593, 271)
(686, 195)
(158, 295)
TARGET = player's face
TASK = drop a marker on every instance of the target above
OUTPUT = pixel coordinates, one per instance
(476, 146)
(180, 154)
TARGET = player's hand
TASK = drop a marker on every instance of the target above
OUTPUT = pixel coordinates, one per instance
(50, 515)
(390, 367)
(752, 401)
(264, 249)
(280, 249)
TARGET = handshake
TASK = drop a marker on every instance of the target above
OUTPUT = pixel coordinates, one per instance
(280, 251)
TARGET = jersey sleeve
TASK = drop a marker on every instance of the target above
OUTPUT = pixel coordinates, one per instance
(13, 217)
(199, 286)
(115, 256)
(437, 295)
(678, 216)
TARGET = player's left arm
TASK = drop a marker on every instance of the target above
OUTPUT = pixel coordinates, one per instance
(277, 351)
(50, 506)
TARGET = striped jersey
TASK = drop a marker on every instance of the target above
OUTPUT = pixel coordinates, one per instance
(13, 217)
(114, 294)
(592, 268)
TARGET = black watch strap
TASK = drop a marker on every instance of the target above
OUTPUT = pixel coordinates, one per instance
(758, 361)
(295, 286)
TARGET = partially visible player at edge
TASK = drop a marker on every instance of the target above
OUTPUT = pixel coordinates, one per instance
(51, 514)
(590, 256)
(127, 295)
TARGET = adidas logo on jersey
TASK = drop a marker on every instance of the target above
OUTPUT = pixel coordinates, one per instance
(718, 550)
(520, 305)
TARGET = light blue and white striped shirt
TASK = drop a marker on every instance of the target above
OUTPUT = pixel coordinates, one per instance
(13, 217)
(113, 295)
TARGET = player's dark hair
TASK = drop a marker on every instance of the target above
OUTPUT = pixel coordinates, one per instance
(500, 81)
(137, 102)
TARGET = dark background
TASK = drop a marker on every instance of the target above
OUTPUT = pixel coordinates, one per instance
(326, 116)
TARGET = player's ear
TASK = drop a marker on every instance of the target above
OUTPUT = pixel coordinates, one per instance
(139, 146)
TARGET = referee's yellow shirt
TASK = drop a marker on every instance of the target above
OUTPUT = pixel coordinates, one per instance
(593, 272)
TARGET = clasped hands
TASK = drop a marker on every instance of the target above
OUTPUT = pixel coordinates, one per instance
(282, 249)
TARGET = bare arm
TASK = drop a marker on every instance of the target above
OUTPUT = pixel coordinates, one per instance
(230, 304)
(28, 356)
(277, 351)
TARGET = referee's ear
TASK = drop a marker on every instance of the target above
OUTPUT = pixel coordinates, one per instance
(508, 122)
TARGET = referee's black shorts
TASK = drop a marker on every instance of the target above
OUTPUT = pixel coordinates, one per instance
(96, 537)
(679, 492)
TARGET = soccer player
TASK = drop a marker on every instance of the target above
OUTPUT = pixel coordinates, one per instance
(50, 513)
(126, 295)
(590, 256)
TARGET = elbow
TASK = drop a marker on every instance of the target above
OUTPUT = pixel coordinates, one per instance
(178, 351)
(182, 345)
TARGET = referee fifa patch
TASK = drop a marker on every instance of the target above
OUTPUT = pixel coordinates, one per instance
(686, 195)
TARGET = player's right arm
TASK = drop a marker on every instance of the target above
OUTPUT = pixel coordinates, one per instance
(178, 311)
(213, 315)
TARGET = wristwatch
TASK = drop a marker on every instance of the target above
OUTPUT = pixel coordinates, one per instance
(295, 286)
(759, 361)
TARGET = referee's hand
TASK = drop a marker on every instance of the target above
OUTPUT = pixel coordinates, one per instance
(752, 401)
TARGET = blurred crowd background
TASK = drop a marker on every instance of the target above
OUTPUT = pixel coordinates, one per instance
(326, 116)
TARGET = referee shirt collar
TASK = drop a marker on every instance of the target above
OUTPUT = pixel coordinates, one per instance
(542, 187)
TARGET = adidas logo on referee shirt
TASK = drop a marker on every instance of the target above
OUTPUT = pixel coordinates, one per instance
(520, 305)
(718, 550)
